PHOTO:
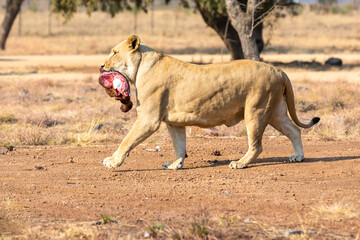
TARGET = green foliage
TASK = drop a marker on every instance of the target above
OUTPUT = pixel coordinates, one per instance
(33, 8)
(214, 7)
(327, 2)
(68, 7)
(330, 7)
(211, 8)
(105, 219)
(199, 230)
(341, 9)
(156, 228)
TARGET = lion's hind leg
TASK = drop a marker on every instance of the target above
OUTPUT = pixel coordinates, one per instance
(255, 122)
(281, 122)
(178, 136)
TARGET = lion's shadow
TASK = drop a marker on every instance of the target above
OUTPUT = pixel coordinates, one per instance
(257, 163)
(279, 160)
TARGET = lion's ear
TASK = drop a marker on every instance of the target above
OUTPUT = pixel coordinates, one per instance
(133, 42)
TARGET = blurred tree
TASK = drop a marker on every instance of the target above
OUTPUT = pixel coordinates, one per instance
(68, 7)
(243, 19)
(215, 16)
(325, 5)
(327, 2)
(213, 12)
(12, 9)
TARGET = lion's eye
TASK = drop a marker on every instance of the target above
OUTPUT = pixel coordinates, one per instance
(114, 53)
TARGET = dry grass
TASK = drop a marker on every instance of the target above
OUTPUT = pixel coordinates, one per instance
(337, 104)
(42, 112)
(77, 111)
(311, 32)
(70, 231)
(202, 227)
(336, 211)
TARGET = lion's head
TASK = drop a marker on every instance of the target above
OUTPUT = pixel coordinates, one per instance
(120, 67)
(124, 58)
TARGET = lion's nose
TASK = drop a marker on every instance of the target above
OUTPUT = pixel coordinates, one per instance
(102, 68)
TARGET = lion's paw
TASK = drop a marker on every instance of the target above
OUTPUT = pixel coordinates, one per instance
(110, 162)
(174, 166)
(237, 165)
(296, 158)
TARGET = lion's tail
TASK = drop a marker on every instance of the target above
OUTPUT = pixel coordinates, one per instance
(289, 94)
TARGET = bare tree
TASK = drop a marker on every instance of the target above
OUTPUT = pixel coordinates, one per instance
(215, 15)
(12, 10)
(243, 18)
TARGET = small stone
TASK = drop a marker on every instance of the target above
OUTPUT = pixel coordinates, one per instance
(216, 153)
(40, 167)
(292, 232)
(71, 159)
(227, 194)
(2, 152)
(98, 127)
(11, 148)
(158, 148)
(146, 235)
(334, 62)
(97, 223)
(247, 220)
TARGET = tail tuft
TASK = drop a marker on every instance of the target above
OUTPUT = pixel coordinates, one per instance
(315, 120)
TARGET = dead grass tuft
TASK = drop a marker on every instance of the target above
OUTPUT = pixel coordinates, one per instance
(336, 211)
(7, 118)
(69, 231)
(33, 136)
(88, 135)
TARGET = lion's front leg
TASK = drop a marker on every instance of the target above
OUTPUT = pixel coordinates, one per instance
(178, 136)
(140, 131)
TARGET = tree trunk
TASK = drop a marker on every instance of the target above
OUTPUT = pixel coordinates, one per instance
(225, 31)
(12, 9)
(243, 22)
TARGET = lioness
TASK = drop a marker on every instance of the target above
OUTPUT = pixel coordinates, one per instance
(183, 94)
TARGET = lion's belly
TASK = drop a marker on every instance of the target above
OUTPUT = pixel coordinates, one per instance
(206, 115)
(188, 119)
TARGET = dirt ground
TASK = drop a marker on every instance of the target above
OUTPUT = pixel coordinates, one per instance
(54, 191)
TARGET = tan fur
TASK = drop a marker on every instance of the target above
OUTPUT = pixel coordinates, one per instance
(183, 94)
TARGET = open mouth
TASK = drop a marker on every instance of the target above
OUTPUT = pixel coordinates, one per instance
(115, 84)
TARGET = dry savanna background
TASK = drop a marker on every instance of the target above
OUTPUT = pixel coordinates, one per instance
(61, 125)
